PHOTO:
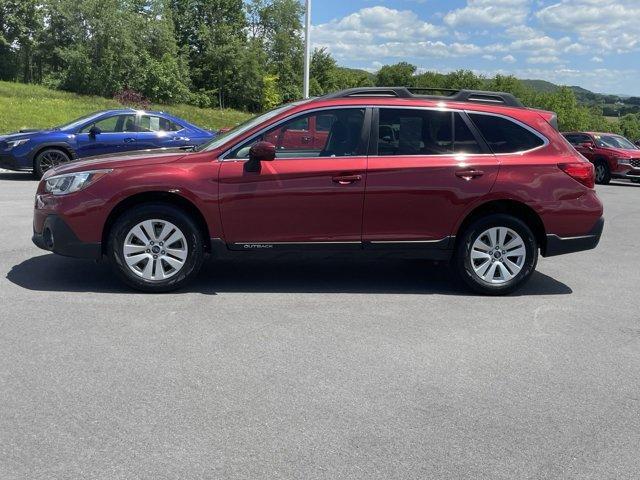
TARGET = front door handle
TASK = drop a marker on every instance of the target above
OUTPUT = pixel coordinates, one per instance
(469, 173)
(347, 179)
(129, 140)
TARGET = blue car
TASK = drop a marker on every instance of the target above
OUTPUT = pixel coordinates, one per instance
(106, 132)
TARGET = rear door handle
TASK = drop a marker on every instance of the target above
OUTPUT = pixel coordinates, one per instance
(469, 173)
(347, 179)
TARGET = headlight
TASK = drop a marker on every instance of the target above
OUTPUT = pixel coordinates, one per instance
(72, 182)
(624, 161)
(16, 143)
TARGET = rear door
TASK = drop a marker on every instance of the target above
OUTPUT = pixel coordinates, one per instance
(425, 167)
(578, 140)
(156, 131)
(310, 195)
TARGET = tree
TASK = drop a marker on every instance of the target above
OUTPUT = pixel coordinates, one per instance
(322, 72)
(280, 29)
(398, 75)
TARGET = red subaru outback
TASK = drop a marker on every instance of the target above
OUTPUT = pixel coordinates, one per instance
(472, 177)
(613, 155)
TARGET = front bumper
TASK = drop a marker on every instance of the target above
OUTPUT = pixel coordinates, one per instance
(560, 245)
(57, 237)
(9, 162)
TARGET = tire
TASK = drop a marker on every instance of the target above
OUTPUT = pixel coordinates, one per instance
(144, 230)
(48, 158)
(603, 174)
(475, 246)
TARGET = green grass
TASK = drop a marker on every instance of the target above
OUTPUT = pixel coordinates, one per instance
(34, 106)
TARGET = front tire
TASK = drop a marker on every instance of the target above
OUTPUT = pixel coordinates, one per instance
(603, 174)
(496, 254)
(47, 159)
(155, 248)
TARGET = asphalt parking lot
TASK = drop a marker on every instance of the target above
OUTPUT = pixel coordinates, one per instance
(319, 369)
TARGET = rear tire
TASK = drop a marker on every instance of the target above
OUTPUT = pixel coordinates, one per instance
(155, 248)
(603, 174)
(496, 271)
(47, 159)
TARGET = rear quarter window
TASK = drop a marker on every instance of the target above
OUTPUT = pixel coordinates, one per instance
(504, 135)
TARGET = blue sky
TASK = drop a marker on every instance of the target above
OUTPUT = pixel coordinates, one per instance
(591, 43)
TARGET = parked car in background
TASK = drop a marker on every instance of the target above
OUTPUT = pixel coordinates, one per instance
(473, 177)
(99, 133)
(612, 155)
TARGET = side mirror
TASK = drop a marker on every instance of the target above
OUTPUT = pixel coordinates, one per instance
(93, 131)
(260, 152)
(588, 145)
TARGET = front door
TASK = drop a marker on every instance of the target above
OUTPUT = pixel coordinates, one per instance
(116, 134)
(425, 170)
(310, 194)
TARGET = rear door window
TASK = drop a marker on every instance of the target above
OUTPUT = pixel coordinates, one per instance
(154, 123)
(504, 135)
(424, 132)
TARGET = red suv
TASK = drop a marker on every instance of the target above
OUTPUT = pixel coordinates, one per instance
(472, 177)
(613, 155)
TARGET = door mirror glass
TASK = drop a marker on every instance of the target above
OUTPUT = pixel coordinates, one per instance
(93, 131)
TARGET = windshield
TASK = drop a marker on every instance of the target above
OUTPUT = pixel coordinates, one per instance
(244, 127)
(77, 122)
(614, 141)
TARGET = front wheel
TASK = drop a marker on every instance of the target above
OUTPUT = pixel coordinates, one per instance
(496, 254)
(48, 159)
(155, 248)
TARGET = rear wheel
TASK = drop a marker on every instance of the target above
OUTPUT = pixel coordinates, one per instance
(496, 255)
(48, 159)
(603, 174)
(155, 248)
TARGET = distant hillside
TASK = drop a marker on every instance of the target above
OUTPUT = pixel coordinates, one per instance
(584, 96)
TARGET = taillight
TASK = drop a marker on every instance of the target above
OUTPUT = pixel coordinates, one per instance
(582, 172)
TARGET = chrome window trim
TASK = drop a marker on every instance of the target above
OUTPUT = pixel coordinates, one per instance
(545, 140)
(223, 156)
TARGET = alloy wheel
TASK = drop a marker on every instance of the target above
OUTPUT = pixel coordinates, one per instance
(155, 249)
(51, 158)
(498, 255)
(600, 172)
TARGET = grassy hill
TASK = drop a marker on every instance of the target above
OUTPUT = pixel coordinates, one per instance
(34, 106)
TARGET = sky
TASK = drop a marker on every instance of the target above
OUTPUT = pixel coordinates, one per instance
(591, 43)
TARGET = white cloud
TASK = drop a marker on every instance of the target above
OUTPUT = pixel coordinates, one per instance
(543, 59)
(489, 12)
(509, 59)
(608, 25)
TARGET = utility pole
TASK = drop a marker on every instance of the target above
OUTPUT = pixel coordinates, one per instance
(307, 48)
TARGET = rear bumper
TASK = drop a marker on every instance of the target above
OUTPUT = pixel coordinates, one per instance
(560, 245)
(57, 237)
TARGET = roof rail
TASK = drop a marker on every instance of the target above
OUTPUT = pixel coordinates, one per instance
(478, 96)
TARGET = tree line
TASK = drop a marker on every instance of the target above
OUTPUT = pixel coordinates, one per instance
(216, 53)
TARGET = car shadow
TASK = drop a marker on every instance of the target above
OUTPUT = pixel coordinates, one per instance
(326, 275)
(18, 176)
